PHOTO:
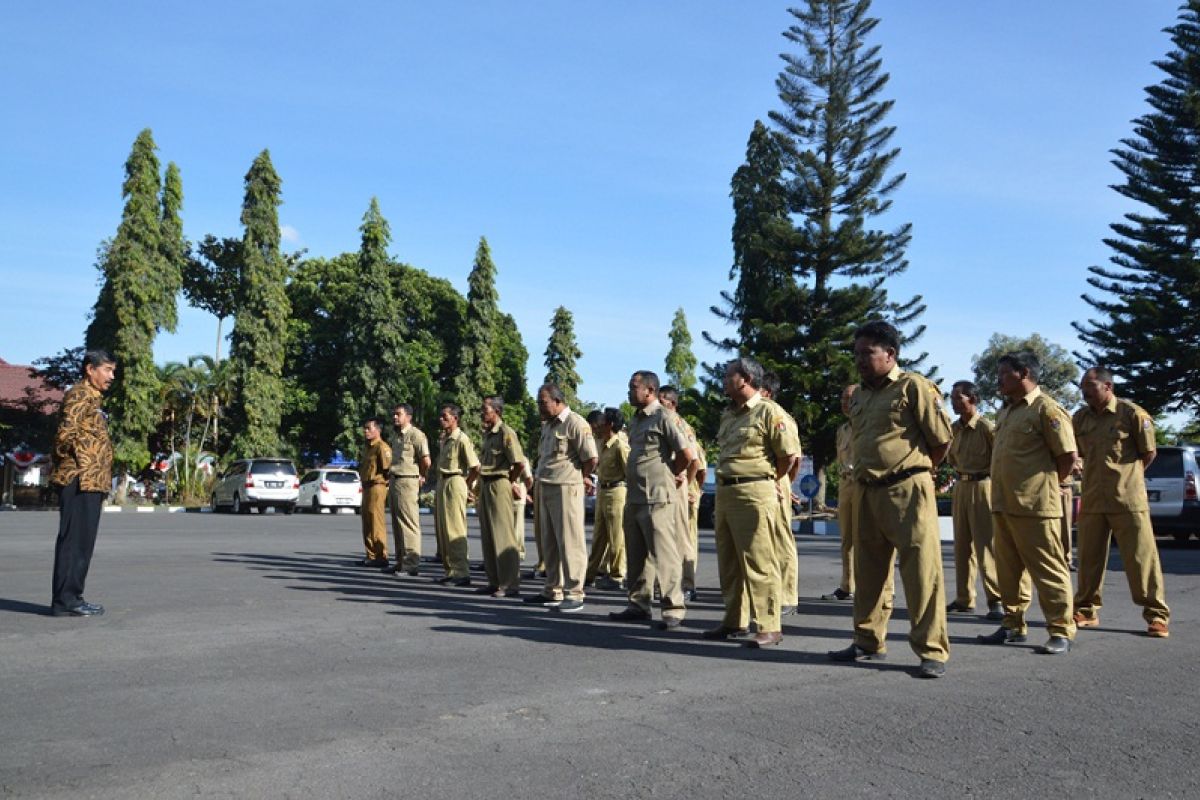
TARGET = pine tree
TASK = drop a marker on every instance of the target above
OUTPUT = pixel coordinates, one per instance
(681, 362)
(127, 314)
(260, 327)
(477, 378)
(173, 249)
(561, 354)
(370, 381)
(1149, 333)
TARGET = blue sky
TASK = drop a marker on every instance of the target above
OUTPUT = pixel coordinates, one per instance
(592, 144)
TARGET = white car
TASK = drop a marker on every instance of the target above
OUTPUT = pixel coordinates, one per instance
(330, 488)
(1171, 488)
(260, 483)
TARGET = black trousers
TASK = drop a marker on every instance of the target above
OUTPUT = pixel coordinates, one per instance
(78, 521)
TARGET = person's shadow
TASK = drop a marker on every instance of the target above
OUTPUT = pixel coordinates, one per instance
(21, 607)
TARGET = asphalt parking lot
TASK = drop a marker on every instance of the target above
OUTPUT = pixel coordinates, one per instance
(249, 657)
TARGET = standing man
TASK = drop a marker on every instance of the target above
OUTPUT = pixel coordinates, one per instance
(410, 462)
(458, 467)
(900, 433)
(659, 454)
(688, 534)
(1033, 453)
(756, 451)
(606, 565)
(500, 467)
(566, 460)
(83, 475)
(785, 540)
(971, 456)
(373, 467)
(1116, 440)
(846, 485)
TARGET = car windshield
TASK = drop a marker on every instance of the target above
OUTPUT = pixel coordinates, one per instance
(341, 477)
(1167, 464)
(272, 468)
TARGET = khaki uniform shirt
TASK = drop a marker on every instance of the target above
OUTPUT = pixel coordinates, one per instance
(1112, 443)
(654, 438)
(374, 463)
(614, 453)
(971, 448)
(82, 448)
(1030, 434)
(752, 439)
(565, 446)
(896, 425)
(456, 456)
(845, 453)
(500, 450)
(409, 447)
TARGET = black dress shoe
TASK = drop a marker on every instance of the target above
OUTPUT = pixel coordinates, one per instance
(1055, 646)
(689, 595)
(392, 570)
(931, 669)
(762, 639)
(373, 562)
(463, 581)
(856, 653)
(84, 609)
(959, 608)
(1002, 635)
(629, 614)
(537, 599)
(723, 632)
(486, 589)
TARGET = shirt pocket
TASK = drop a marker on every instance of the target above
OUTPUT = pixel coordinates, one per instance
(561, 443)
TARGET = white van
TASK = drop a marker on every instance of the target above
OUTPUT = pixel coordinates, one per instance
(260, 483)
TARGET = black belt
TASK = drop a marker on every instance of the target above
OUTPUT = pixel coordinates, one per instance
(490, 478)
(406, 477)
(611, 484)
(974, 476)
(723, 481)
(894, 478)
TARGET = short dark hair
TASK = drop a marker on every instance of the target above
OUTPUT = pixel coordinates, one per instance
(374, 422)
(880, 333)
(770, 382)
(405, 407)
(1103, 374)
(496, 402)
(648, 379)
(748, 368)
(454, 409)
(967, 389)
(553, 390)
(614, 417)
(669, 393)
(95, 359)
(1021, 361)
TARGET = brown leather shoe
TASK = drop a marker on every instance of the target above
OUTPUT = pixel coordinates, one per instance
(1158, 630)
(1084, 621)
(723, 632)
(762, 639)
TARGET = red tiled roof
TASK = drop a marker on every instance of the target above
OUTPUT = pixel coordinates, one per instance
(16, 382)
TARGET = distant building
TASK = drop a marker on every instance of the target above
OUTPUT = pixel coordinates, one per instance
(27, 408)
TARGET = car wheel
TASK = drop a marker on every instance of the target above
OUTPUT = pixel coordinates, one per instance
(288, 508)
(238, 506)
(316, 506)
(212, 504)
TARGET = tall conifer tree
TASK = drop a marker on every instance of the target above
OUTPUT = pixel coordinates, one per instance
(477, 378)
(173, 249)
(260, 327)
(681, 362)
(126, 317)
(562, 353)
(1149, 330)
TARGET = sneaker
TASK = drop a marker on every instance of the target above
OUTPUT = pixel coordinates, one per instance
(689, 595)
(1158, 630)
(931, 669)
(838, 594)
(1084, 621)
(568, 606)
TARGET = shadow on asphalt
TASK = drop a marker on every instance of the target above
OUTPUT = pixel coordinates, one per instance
(459, 611)
(21, 607)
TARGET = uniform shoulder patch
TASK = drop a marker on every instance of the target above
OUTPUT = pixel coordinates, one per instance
(1055, 423)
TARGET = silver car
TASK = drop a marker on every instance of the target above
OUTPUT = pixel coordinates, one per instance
(260, 483)
(1171, 488)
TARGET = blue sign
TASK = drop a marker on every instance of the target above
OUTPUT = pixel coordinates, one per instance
(809, 486)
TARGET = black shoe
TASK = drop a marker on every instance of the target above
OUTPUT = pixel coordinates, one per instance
(84, 609)
(443, 580)
(668, 623)
(537, 599)
(463, 581)
(838, 594)
(931, 669)
(568, 606)
(487, 590)
(959, 608)
(608, 584)
(392, 570)
(721, 633)
(1055, 646)
(629, 614)
(373, 562)
(689, 595)
(995, 611)
(856, 653)
(412, 573)
(1002, 635)
(788, 611)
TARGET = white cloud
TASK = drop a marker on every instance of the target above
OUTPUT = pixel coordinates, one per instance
(289, 234)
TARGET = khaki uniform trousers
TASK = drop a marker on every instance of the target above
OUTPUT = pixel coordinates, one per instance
(846, 531)
(406, 520)
(450, 525)
(1068, 513)
(745, 526)
(652, 541)
(497, 534)
(519, 527)
(608, 536)
(537, 528)
(684, 549)
(900, 518)
(374, 527)
(560, 508)
(973, 550)
(1031, 547)
(785, 549)
(1139, 554)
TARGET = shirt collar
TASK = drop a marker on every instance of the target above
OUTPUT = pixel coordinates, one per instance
(649, 408)
(972, 422)
(562, 415)
(609, 441)
(1111, 405)
(495, 428)
(1034, 394)
(753, 400)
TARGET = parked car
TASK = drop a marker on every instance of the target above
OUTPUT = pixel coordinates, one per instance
(330, 488)
(708, 499)
(260, 483)
(1171, 488)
